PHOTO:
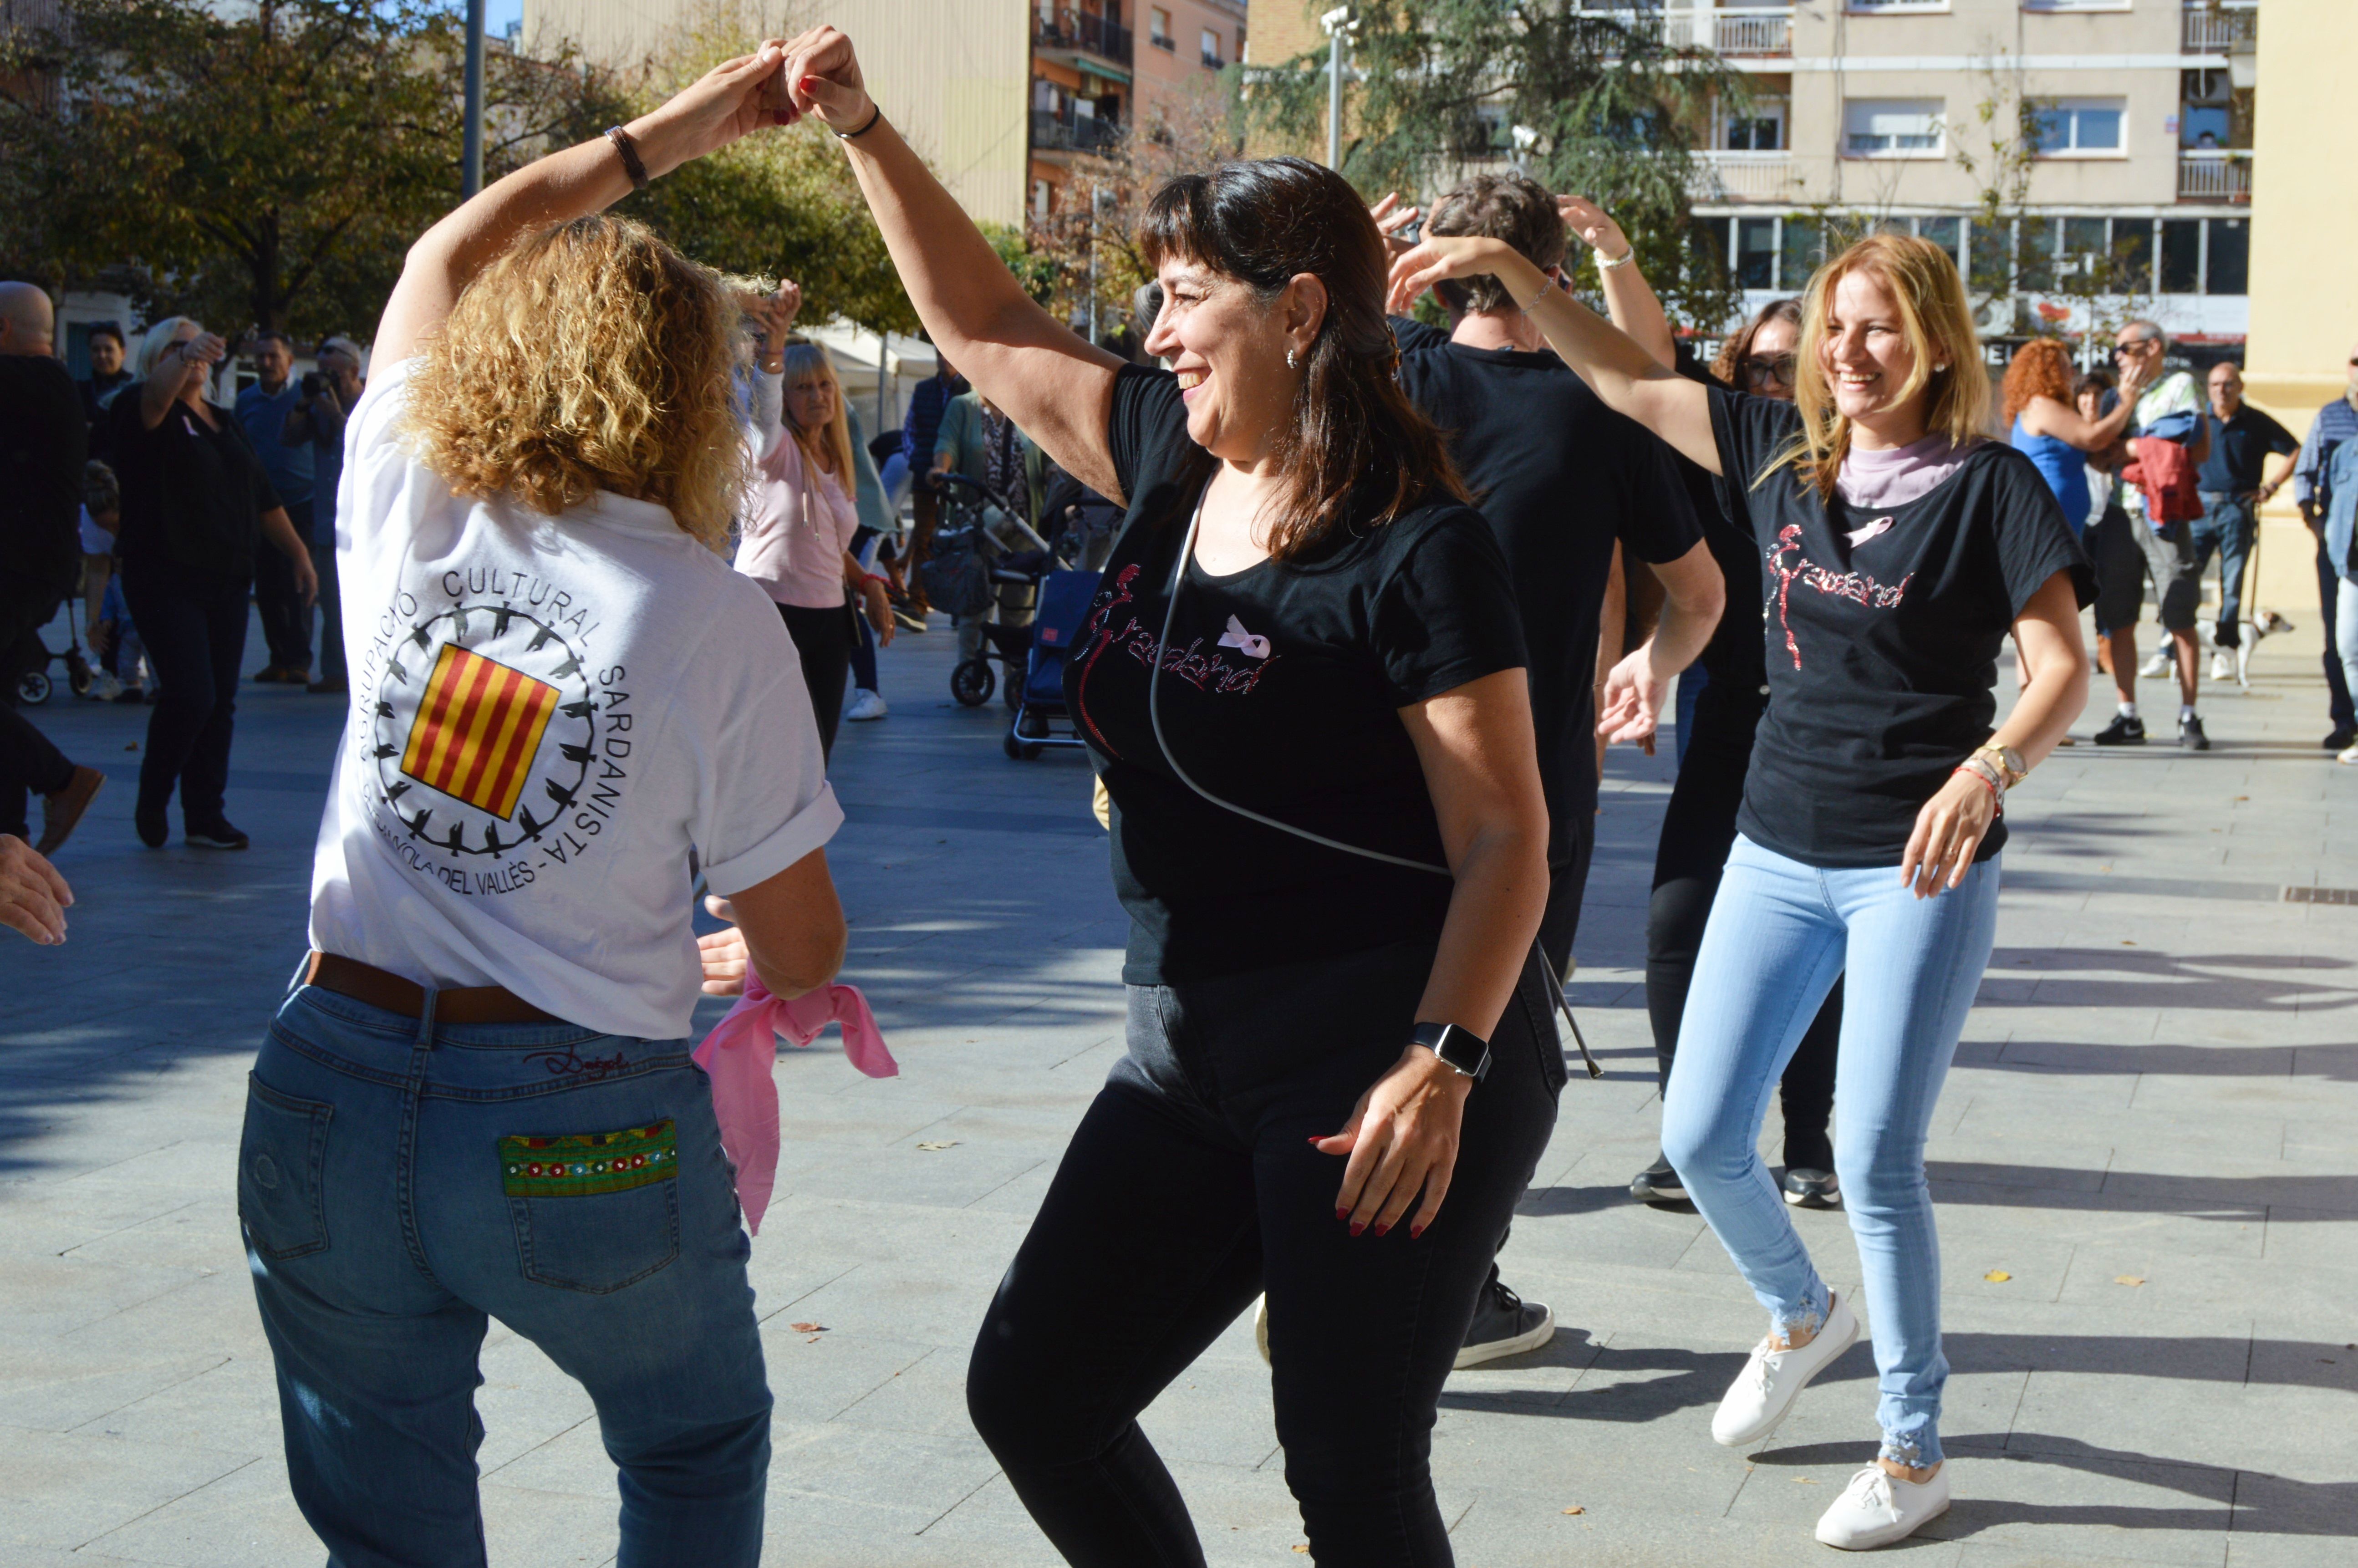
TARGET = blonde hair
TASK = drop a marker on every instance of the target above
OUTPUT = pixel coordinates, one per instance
(591, 356)
(1939, 328)
(830, 446)
(158, 338)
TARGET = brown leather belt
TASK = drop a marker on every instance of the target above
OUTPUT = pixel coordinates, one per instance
(379, 987)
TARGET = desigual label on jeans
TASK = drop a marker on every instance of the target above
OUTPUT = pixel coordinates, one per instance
(584, 1164)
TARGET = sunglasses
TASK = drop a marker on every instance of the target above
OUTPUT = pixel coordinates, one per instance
(2123, 351)
(1778, 368)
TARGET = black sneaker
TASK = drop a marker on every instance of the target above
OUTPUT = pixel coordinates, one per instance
(1658, 1184)
(1808, 1188)
(1504, 1325)
(2122, 731)
(2190, 736)
(216, 835)
(153, 826)
(2341, 738)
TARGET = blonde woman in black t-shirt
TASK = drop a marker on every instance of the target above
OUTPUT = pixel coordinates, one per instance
(1303, 684)
(1904, 546)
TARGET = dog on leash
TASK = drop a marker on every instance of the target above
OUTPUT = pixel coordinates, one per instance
(2258, 624)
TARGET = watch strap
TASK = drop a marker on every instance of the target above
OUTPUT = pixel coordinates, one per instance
(1464, 1050)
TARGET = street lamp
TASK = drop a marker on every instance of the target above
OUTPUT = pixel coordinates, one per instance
(1339, 27)
(471, 179)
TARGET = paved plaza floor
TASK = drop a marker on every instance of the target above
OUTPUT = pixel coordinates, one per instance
(2147, 1163)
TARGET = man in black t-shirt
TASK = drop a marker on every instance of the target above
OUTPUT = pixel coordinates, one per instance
(41, 437)
(1561, 478)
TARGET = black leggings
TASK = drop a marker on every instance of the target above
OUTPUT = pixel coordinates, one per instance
(194, 626)
(1698, 831)
(1189, 1188)
(823, 638)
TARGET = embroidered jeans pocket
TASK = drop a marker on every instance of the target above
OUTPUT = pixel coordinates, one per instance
(280, 1158)
(593, 1211)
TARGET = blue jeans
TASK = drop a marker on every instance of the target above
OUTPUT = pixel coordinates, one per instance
(2338, 703)
(1780, 932)
(2226, 525)
(390, 1212)
(2345, 631)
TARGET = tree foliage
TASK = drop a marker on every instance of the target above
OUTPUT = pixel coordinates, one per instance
(269, 164)
(1610, 107)
(1191, 137)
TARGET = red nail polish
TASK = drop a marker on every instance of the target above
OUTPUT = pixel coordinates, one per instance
(1381, 1229)
(1342, 1214)
(1358, 1226)
(1414, 1231)
(1315, 1141)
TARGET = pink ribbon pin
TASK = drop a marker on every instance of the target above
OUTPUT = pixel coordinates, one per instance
(742, 1050)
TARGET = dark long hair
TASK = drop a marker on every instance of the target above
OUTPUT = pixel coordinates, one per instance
(1355, 449)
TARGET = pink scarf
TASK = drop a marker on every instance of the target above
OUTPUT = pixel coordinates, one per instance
(739, 1055)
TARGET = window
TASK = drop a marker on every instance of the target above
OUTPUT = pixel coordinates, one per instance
(2034, 253)
(1876, 8)
(1158, 28)
(2181, 255)
(2087, 252)
(2080, 127)
(1945, 233)
(1755, 252)
(1892, 128)
(1212, 50)
(1757, 133)
(1804, 251)
(2133, 253)
(2227, 261)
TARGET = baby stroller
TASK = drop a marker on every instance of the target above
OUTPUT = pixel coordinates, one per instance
(32, 659)
(1064, 599)
(985, 568)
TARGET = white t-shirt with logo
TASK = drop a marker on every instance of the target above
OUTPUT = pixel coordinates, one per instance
(547, 713)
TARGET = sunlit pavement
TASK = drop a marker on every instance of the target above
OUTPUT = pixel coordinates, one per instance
(2146, 1161)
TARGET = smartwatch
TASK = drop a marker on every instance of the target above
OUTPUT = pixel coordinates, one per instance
(1463, 1049)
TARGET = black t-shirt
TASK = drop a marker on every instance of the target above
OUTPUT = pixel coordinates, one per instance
(1558, 477)
(193, 494)
(1883, 635)
(41, 447)
(1280, 690)
(2240, 449)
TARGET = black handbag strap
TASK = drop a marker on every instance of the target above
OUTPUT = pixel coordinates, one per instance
(1557, 1000)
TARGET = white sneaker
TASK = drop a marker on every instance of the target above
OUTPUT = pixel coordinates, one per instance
(1764, 1393)
(865, 705)
(1878, 1508)
(1260, 1327)
(2347, 756)
(2155, 665)
(2223, 668)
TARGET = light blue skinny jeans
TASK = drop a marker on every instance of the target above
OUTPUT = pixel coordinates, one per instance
(1780, 933)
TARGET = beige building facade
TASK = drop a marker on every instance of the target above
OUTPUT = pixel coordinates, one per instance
(953, 74)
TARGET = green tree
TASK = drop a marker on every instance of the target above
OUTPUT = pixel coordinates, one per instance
(1609, 106)
(268, 165)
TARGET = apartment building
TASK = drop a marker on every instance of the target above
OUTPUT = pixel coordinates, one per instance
(2140, 180)
(2137, 191)
(1096, 68)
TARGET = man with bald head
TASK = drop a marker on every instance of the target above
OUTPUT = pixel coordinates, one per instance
(41, 446)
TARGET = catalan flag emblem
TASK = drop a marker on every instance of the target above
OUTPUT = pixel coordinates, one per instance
(477, 730)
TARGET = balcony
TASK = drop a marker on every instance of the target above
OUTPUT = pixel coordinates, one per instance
(2205, 175)
(1083, 32)
(1071, 132)
(1213, 61)
(1165, 42)
(1739, 32)
(2216, 26)
(1725, 176)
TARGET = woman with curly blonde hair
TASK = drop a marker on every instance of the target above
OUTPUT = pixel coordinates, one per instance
(477, 1100)
(2044, 424)
(1904, 546)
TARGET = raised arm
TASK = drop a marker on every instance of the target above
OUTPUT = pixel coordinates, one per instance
(729, 100)
(1628, 297)
(1628, 379)
(2046, 416)
(1057, 388)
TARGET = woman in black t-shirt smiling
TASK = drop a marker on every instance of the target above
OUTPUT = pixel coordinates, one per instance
(1902, 545)
(1303, 630)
